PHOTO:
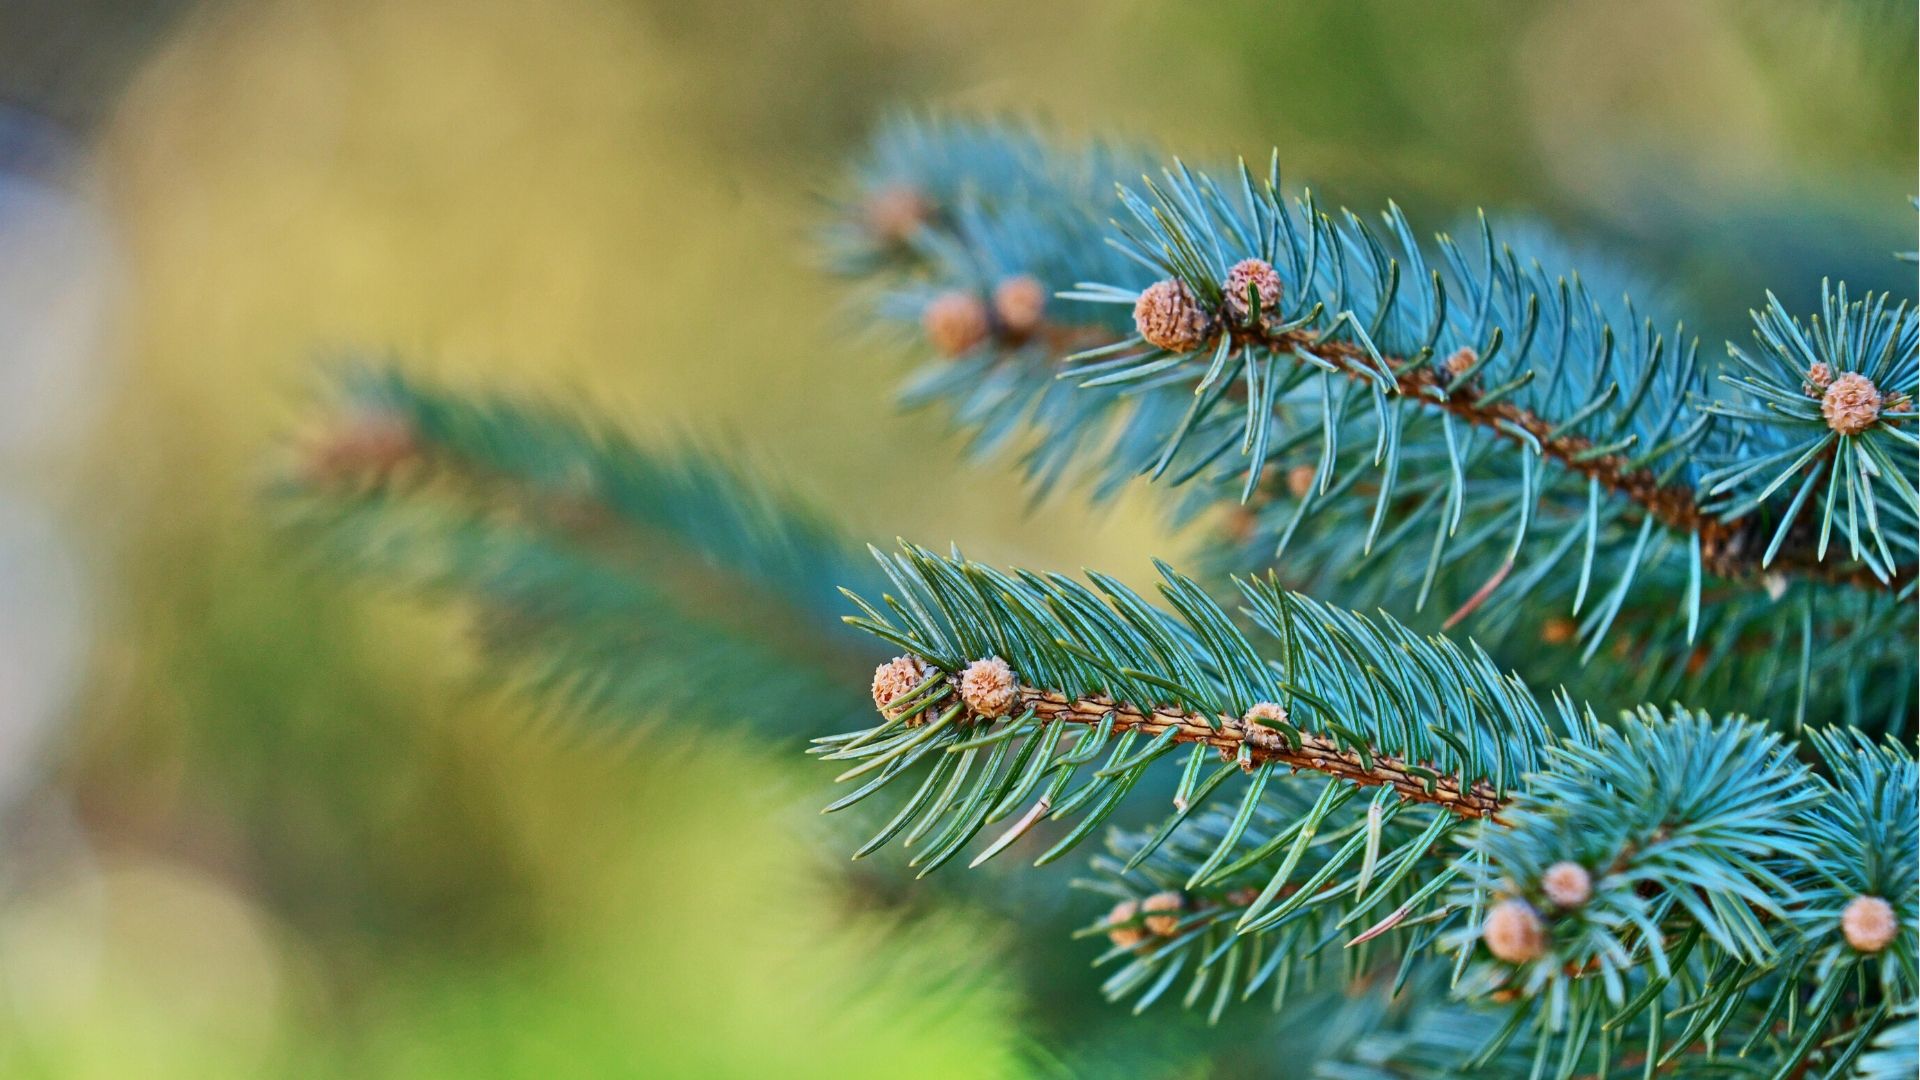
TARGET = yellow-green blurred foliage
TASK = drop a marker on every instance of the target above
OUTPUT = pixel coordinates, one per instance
(300, 845)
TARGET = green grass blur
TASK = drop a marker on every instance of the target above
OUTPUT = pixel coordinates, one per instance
(297, 843)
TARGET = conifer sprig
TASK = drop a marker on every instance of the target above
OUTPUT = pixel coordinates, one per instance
(1445, 409)
(1492, 337)
(1467, 424)
(1647, 878)
(1136, 683)
(606, 578)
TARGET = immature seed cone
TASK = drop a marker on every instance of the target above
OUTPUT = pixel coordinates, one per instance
(1514, 933)
(1266, 712)
(896, 212)
(895, 679)
(1265, 282)
(1851, 404)
(1020, 303)
(1167, 907)
(1558, 630)
(955, 322)
(1169, 316)
(988, 688)
(1819, 377)
(1461, 361)
(1122, 930)
(1567, 884)
(1869, 924)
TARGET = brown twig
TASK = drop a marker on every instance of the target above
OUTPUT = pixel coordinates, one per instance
(1728, 549)
(1263, 745)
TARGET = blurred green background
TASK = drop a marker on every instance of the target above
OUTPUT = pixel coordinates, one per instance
(259, 823)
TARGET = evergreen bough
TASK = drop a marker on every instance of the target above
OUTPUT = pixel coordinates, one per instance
(1560, 509)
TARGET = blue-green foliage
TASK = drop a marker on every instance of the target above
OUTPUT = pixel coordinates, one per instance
(1543, 341)
(1393, 499)
(1866, 836)
(1718, 862)
(1894, 1050)
(605, 577)
(1003, 201)
(1729, 549)
(1275, 923)
(1679, 821)
(1431, 1043)
(1862, 483)
(1372, 688)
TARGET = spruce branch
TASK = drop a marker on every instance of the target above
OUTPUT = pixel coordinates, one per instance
(1537, 361)
(1600, 872)
(1352, 804)
(1262, 745)
(1491, 424)
(559, 468)
(1671, 879)
(1729, 547)
(1137, 682)
(1366, 331)
(608, 578)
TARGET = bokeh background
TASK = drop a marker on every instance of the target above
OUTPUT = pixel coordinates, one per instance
(257, 821)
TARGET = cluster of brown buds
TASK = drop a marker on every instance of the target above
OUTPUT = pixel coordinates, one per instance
(1168, 314)
(988, 686)
(1851, 403)
(959, 320)
(894, 680)
(1133, 923)
(1514, 929)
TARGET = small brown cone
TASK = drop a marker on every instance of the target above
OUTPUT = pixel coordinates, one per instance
(1567, 884)
(1266, 712)
(1514, 933)
(895, 679)
(366, 449)
(1851, 404)
(1165, 908)
(1258, 277)
(1819, 377)
(1869, 924)
(1300, 480)
(1122, 929)
(1170, 317)
(989, 688)
(894, 213)
(1020, 303)
(955, 322)
(1461, 361)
